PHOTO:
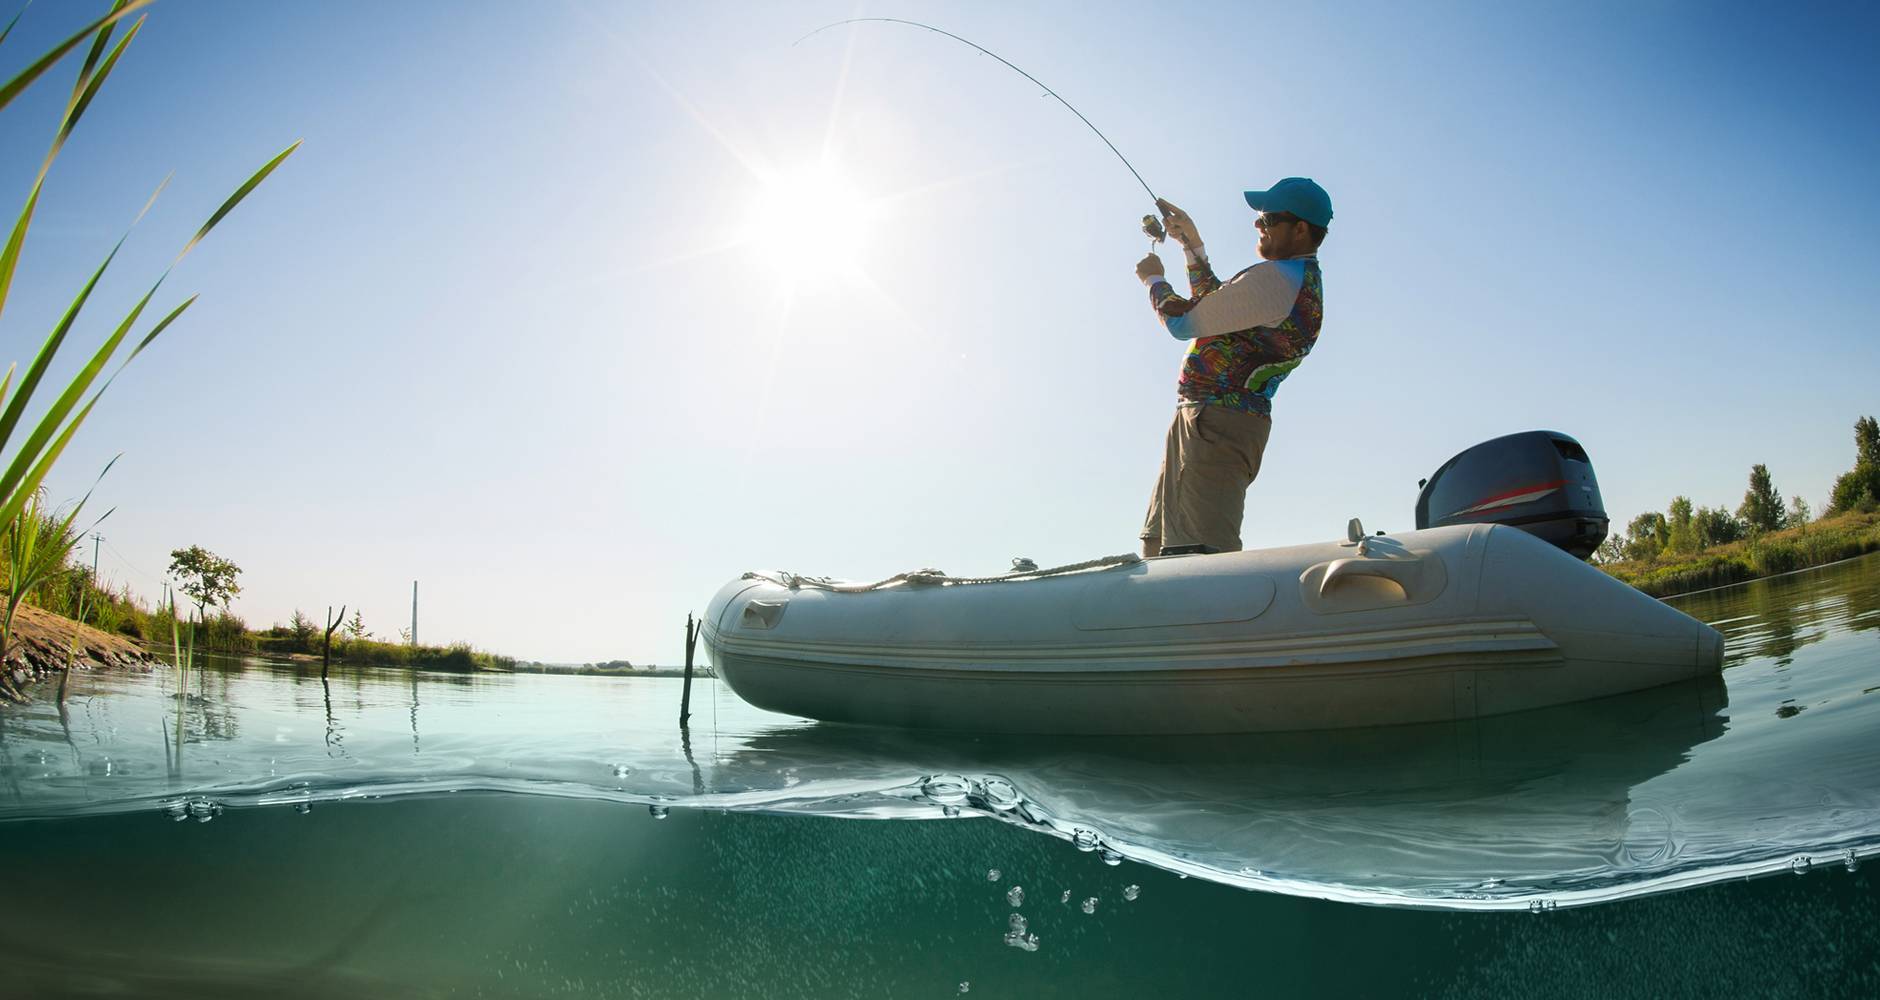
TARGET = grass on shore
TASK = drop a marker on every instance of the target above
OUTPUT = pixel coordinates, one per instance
(1830, 539)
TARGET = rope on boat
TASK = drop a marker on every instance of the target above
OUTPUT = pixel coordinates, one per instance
(930, 577)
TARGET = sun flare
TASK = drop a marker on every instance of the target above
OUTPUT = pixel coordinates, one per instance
(813, 220)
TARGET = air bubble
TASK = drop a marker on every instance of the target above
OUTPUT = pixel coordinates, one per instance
(1801, 864)
(1066, 897)
(946, 789)
(1090, 905)
(1542, 906)
(1017, 923)
(993, 874)
(1130, 892)
(1112, 858)
(949, 810)
(1493, 883)
(203, 810)
(1085, 840)
(622, 770)
(1022, 940)
(1015, 896)
(303, 808)
(658, 811)
(966, 986)
(1000, 795)
(1850, 860)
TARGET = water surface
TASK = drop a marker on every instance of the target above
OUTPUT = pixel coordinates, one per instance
(471, 835)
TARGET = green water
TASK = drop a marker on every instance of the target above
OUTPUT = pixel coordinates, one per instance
(382, 835)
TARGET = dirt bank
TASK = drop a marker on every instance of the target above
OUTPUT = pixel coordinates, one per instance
(42, 640)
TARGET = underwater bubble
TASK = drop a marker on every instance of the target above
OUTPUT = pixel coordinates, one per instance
(992, 874)
(1090, 905)
(658, 811)
(966, 986)
(1131, 891)
(1017, 923)
(1493, 883)
(946, 789)
(1015, 895)
(1085, 840)
(303, 808)
(1542, 906)
(949, 810)
(1112, 858)
(1801, 864)
(1000, 794)
(1021, 940)
(622, 770)
(1850, 860)
(1066, 898)
(203, 810)
(176, 809)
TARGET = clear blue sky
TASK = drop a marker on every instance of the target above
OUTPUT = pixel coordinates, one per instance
(499, 327)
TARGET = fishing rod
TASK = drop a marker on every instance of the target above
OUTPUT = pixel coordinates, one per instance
(1151, 225)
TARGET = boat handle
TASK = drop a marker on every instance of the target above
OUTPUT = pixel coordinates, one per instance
(761, 614)
(1401, 572)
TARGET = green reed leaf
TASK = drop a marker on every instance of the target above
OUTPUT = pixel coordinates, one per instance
(17, 408)
(12, 88)
(240, 193)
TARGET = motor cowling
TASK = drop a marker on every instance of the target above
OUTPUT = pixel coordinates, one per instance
(1539, 481)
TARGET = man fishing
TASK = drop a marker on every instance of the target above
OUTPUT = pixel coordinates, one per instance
(1245, 336)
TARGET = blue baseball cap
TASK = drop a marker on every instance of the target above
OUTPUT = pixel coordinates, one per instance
(1299, 195)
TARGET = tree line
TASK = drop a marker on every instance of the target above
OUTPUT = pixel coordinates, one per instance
(1683, 529)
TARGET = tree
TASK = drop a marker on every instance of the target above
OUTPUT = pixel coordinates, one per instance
(1762, 505)
(207, 578)
(357, 627)
(303, 630)
(1799, 512)
(1716, 526)
(1680, 533)
(1611, 550)
(1859, 487)
(1645, 536)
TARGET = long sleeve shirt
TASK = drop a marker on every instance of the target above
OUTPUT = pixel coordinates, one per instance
(1246, 334)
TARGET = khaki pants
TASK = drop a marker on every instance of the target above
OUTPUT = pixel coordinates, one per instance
(1212, 456)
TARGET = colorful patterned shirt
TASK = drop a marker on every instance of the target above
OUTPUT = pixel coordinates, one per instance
(1247, 334)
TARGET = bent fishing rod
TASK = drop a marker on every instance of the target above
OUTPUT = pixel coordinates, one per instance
(1151, 225)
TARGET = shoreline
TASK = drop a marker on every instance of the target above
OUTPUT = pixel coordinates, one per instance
(1811, 546)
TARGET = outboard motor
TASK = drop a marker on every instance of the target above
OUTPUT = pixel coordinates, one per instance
(1538, 481)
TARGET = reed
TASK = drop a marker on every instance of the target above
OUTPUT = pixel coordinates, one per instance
(28, 450)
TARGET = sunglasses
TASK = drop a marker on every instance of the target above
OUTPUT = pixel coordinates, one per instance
(1271, 219)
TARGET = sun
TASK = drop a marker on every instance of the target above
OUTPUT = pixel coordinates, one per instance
(811, 221)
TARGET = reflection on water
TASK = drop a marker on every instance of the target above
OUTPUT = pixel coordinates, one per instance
(1772, 766)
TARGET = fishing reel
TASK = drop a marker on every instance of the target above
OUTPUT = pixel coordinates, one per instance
(1152, 228)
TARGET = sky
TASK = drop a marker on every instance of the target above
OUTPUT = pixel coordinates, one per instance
(573, 312)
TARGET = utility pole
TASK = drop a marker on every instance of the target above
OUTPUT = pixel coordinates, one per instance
(95, 539)
(414, 612)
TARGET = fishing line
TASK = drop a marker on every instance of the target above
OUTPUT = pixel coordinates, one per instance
(1149, 225)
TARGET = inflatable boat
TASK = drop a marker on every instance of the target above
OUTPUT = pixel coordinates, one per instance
(1487, 608)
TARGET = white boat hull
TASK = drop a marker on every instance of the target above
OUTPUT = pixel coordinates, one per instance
(1427, 626)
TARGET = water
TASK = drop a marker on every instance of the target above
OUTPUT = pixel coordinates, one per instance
(391, 835)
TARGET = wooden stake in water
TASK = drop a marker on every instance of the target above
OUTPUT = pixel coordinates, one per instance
(685, 697)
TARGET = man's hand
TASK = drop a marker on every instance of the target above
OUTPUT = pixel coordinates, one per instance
(1149, 269)
(1181, 228)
